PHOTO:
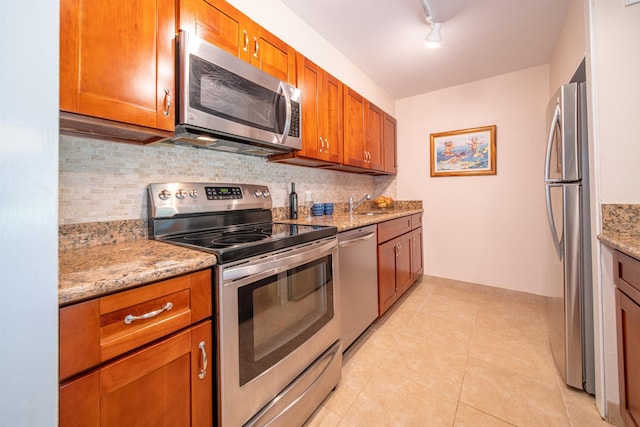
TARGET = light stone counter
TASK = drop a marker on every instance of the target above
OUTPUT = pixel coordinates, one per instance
(90, 272)
(345, 221)
(621, 228)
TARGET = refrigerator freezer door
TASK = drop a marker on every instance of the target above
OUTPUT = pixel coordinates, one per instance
(565, 329)
(562, 162)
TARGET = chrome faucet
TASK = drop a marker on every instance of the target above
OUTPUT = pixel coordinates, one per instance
(353, 206)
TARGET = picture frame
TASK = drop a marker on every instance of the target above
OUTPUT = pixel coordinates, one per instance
(464, 152)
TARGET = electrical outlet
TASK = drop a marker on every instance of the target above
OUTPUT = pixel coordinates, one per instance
(630, 2)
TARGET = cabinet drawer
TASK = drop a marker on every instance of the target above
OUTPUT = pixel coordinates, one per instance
(416, 221)
(98, 330)
(627, 275)
(389, 229)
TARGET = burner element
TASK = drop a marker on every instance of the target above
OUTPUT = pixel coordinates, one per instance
(236, 239)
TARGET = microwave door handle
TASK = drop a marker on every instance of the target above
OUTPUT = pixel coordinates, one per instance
(287, 122)
(555, 122)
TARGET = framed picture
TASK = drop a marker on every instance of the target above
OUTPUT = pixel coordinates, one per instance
(464, 152)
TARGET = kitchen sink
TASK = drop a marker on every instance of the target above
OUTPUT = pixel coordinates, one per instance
(370, 213)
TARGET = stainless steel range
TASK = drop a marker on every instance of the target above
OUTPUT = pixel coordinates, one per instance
(278, 331)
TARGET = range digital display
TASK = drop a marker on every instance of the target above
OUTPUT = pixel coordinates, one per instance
(223, 193)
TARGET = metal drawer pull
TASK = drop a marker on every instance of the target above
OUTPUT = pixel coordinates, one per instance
(203, 371)
(131, 318)
(167, 102)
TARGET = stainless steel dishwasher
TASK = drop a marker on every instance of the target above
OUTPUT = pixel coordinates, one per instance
(358, 264)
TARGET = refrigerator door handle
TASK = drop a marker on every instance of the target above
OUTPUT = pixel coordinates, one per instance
(555, 122)
(557, 242)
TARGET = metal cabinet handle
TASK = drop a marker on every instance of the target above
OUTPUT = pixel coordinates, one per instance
(326, 149)
(131, 318)
(246, 41)
(257, 47)
(167, 102)
(203, 371)
(321, 144)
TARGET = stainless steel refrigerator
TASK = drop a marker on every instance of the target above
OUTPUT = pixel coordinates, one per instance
(570, 309)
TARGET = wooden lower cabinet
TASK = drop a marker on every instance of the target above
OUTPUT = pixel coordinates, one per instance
(628, 320)
(168, 383)
(399, 260)
(140, 357)
(627, 279)
(417, 265)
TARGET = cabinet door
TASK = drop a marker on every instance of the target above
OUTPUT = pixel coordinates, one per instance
(628, 329)
(374, 119)
(332, 122)
(159, 385)
(354, 131)
(218, 23)
(117, 60)
(404, 273)
(417, 267)
(272, 55)
(387, 295)
(390, 145)
(310, 82)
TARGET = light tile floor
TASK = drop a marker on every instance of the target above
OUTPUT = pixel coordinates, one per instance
(455, 355)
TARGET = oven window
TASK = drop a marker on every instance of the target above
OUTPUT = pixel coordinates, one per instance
(280, 312)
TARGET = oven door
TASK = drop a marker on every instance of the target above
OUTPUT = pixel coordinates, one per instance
(277, 315)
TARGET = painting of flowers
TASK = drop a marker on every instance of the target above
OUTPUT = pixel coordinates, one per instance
(464, 152)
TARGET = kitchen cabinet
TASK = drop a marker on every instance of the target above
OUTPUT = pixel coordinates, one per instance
(389, 143)
(117, 69)
(374, 120)
(223, 25)
(395, 261)
(627, 280)
(321, 117)
(417, 264)
(363, 132)
(139, 357)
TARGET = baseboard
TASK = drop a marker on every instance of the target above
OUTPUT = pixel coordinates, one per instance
(489, 290)
(613, 414)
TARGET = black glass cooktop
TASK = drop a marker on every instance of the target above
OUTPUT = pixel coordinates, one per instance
(238, 242)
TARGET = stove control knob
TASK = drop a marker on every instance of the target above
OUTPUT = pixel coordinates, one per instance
(181, 194)
(164, 194)
(193, 194)
(266, 193)
(258, 193)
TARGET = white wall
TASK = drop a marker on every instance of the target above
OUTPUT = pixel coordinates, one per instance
(28, 214)
(276, 17)
(487, 229)
(613, 59)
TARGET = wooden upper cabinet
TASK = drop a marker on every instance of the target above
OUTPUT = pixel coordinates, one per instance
(272, 55)
(363, 133)
(226, 27)
(374, 119)
(321, 112)
(354, 130)
(117, 60)
(389, 141)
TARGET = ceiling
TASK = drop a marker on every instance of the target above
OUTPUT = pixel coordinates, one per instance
(480, 38)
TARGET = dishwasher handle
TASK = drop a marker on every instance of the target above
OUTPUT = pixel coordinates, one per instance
(350, 242)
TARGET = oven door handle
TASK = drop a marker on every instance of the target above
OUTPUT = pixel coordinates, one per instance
(278, 262)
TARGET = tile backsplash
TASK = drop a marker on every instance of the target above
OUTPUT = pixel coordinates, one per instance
(106, 181)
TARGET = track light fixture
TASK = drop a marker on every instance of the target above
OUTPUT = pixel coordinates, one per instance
(434, 38)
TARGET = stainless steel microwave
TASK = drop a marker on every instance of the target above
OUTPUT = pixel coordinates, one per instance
(225, 103)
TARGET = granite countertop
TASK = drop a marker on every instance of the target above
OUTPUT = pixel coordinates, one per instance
(621, 228)
(101, 258)
(345, 221)
(629, 244)
(90, 272)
